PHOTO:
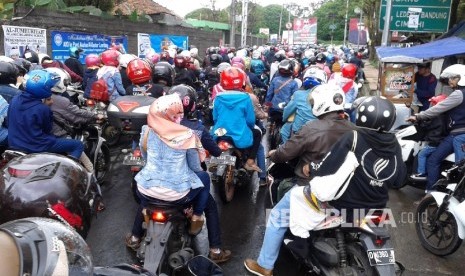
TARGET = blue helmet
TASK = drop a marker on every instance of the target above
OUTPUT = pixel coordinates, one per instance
(330, 58)
(39, 83)
(74, 51)
(314, 76)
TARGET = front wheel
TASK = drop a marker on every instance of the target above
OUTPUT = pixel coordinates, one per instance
(438, 233)
(226, 184)
(102, 163)
(111, 134)
(357, 258)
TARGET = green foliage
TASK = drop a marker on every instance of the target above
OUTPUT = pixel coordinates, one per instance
(209, 15)
(6, 10)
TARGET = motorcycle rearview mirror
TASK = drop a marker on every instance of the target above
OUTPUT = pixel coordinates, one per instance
(202, 266)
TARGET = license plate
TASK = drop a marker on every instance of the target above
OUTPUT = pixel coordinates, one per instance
(381, 256)
(223, 159)
(133, 161)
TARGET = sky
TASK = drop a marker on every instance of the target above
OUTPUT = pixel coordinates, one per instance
(183, 7)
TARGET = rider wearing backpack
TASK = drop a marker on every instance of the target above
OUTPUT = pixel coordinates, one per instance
(110, 74)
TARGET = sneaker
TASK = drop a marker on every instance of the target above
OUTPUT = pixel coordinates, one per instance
(132, 242)
(253, 267)
(418, 176)
(220, 257)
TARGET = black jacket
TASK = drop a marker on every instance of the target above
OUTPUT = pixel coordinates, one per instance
(381, 168)
(75, 65)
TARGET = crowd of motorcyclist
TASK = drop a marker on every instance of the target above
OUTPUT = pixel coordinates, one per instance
(308, 92)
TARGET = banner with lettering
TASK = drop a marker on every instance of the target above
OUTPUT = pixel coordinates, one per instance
(305, 30)
(19, 38)
(90, 43)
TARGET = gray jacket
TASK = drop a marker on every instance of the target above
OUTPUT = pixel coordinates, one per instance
(67, 113)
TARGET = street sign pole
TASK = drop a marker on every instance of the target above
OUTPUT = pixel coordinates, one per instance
(345, 22)
(387, 22)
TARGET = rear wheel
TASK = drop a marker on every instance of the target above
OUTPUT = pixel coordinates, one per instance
(437, 233)
(226, 185)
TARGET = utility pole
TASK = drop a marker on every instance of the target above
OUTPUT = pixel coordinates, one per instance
(345, 22)
(280, 24)
(245, 6)
(232, 31)
(387, 22)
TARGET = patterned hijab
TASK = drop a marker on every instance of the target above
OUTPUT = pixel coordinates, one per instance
(164, 118)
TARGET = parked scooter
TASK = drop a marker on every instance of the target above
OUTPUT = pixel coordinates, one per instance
(440, 216)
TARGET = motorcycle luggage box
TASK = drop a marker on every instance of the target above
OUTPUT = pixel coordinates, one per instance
(129, 113)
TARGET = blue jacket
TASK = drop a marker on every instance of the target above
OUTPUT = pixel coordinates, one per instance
(283, 95)
(233, 111)
(90, 76)
(30, 124)
(255, 81)
(165, 167)
(8, 92)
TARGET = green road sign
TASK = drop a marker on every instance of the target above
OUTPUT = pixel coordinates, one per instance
(431, 16)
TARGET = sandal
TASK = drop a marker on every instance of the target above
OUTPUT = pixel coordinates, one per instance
(252, 167)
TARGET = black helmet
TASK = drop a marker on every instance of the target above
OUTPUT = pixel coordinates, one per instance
(23, 65)
(31, 56)
(279, 56)
(211, 50)
(39, 246)
(215, 60)
(286, 68)
(188, 98)
(8, 73)
(377, 113)
(164, 71)
(320, 58)
(312, 60)
(46, 185)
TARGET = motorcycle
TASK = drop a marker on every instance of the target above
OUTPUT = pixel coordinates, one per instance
(167, 245)
(411, 144)
(227, 169)
(336, 247)
(440, 224)
(47, 185)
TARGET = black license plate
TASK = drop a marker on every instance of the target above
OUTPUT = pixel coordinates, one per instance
(223, 159)
(133, 161)
(381, 256)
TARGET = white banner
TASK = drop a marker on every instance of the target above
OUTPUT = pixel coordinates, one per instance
(22, 38)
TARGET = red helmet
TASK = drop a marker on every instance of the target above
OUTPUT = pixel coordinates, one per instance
(233, 79)
(93, 60)
(437, 99)
(165, 56)
(181, 61)
(349, 71)
(110, 57)
(139, 71)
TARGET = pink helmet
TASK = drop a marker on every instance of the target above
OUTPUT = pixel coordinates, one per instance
(237, 60)
(93, 60)
(223, 51)
(238, 65)
(153, 57)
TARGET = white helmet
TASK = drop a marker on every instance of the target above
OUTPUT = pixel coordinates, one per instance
(316, 73)
(43, 56)
(65, 79)
(124, 59)
(326, 98)
(172, 52)
(222, 66)
(185, 53)
(241, 53)
(308, 53)
(455, 71)
(6, 59)
(261, 49)
(194, 52)
(256, 54)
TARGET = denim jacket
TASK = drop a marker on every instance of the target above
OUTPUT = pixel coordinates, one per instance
(165, 167)
(275, 95)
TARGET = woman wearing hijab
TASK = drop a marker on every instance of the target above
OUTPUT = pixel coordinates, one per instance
(168, 173)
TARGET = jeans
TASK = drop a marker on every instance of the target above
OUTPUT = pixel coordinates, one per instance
(276, 228)
(73, 147)
(422, 157)
(202, 201)
(261, 161)
(459, 147)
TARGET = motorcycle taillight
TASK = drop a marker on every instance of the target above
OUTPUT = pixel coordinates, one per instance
(158, 216)
(19, 173)
(127, 106)
(136, 153)
(90, 103)
(223, 145)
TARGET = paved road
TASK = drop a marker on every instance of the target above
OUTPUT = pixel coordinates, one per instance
(243, 226)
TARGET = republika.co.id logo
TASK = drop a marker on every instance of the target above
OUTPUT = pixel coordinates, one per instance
(58, 39)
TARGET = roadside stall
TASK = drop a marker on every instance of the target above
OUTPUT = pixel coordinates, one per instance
(397, 70)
